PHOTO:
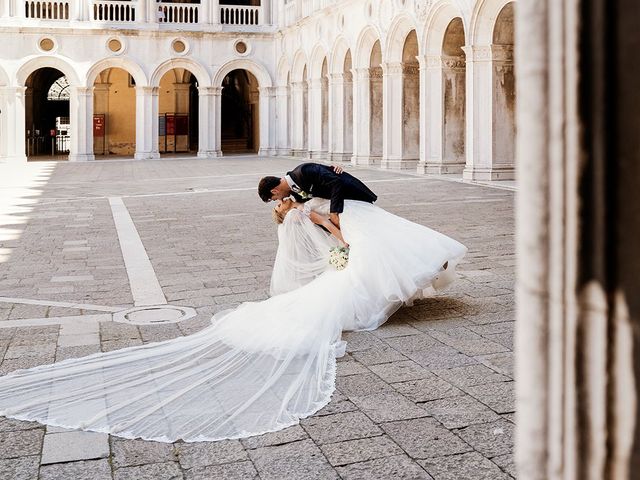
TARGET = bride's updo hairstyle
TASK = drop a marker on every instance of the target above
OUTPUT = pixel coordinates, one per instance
(277, 216)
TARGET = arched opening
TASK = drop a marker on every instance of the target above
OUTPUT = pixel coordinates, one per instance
(178, 112)
(305, 111)
(114, 113)
(347, 121)
(504, 87)
(47, 124)
(410, 99)
(376, 104)
(454, 94)
(324, 108)
(240, 113)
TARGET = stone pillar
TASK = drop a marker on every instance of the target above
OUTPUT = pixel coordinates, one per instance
(142, 10)
(205, 15)
(431, 116)
(362, 117)
(215, 12)
(283, 142)
(209, 112)
(479, 136)
(12, 124)
(146, 123)
(267, 111)
(337, 118)
(315, 119)
(578, 222)
(392, 120)
(81, 119)
(297, 98)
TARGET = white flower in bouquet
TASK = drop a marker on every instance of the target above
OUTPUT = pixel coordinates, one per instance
(339, 257)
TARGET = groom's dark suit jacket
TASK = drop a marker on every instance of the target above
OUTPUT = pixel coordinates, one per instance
(321, 181)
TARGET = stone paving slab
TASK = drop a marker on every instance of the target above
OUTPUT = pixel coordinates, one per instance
(427, 395)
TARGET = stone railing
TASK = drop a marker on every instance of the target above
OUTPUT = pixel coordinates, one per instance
(114, 11)
(178, 12)
(143, 13)
(47, 9)
(240, 15)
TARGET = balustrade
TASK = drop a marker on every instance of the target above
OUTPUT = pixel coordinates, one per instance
(178, 12)
(47, 9)
(114, 11)
(240, 15)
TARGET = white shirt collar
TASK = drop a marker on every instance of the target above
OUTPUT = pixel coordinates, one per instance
(290, 182)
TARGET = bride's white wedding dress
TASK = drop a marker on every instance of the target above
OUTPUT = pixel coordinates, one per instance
(260, 367)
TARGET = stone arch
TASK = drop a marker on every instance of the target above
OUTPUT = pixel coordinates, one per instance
(400, 28)
(195, 68)
(366, 41)
(318, 56)
(298, 67)
(437, 24)
(59, 63)
(283, 72)
(124, 63)
(256, 69)
(483, 20)
(4, 78)
(338, 54)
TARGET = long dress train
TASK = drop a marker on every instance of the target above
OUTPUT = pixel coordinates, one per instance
(258, 368)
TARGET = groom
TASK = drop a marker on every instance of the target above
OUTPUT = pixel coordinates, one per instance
(315, 180)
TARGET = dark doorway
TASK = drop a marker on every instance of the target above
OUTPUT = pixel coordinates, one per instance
(239, 113)
(47, 122)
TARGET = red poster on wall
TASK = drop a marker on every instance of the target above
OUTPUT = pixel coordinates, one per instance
(171, 125)
(98, 125)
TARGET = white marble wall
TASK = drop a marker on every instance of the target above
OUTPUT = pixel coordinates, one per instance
(365, 81)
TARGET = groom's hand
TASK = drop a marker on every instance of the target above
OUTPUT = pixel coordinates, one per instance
(337, 168)
(335, 219)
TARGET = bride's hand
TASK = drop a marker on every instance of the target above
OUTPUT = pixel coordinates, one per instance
(337, 168)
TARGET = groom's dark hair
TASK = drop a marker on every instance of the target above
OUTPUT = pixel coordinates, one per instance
(265, 186)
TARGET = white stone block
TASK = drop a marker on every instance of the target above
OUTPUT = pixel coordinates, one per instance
(73, 446)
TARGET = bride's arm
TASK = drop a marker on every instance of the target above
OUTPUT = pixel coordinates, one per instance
(326, 223)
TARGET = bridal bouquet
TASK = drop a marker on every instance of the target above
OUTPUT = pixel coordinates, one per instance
(339, 257)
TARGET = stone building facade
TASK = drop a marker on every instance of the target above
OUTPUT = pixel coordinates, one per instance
(407, 84)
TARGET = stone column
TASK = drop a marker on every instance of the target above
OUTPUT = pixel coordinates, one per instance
(12, 124)
(297, 99)
(267, 111)
(81, 119)
(479, 136)
(336, 117)
(205, 15)
(209, 111)
(146, 123)
(431, 116)
(142, 10)
(578, 222)
(215, 12)
(283, 142)
(315, 119)
(361, 117)
(392, 120)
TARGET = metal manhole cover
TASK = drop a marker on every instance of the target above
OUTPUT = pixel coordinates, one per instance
(154, 315)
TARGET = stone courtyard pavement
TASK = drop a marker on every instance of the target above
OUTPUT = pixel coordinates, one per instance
(427, 395)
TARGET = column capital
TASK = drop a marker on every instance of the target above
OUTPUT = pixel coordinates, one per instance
(147, 90)
(268, 91)
(361, 73)
(392, 68)
(83, 91)
(451, 62)
(18, 91)
(209, 91)
(282, 90)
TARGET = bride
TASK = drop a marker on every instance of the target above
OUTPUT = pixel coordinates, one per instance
(262, 366)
